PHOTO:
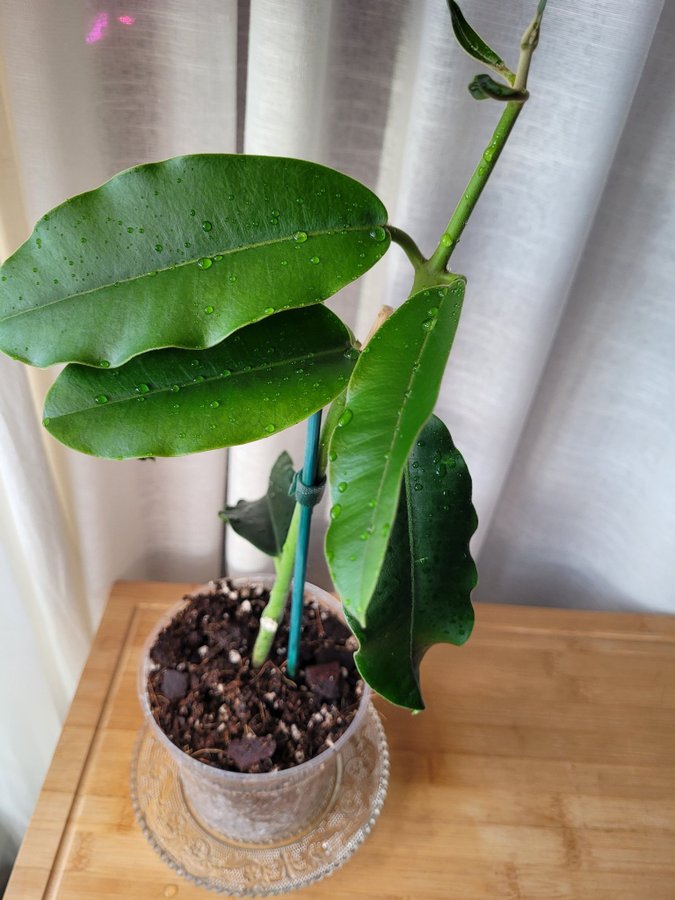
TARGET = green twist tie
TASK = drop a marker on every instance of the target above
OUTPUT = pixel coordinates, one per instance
(306, 494)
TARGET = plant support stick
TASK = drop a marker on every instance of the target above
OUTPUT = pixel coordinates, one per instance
(308, 479)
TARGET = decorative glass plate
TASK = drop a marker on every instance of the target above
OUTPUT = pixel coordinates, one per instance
(225, 866)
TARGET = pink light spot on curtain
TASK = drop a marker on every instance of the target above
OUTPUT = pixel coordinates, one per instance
(126, 20)
(97, 29)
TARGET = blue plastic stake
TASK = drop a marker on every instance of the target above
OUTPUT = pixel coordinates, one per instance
(300, 569)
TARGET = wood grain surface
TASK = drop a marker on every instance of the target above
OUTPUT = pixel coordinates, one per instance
(544, 767)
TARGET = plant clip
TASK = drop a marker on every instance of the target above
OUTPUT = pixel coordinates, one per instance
(306, 494)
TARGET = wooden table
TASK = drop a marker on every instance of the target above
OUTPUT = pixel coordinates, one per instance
(543, 768)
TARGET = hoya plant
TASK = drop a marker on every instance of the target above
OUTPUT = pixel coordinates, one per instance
(185, 297)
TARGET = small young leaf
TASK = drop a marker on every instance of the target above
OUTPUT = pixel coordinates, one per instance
(422, 595)
(181, 254)
(483, 87)
(473, 44)
(390, 396)
(264, 522)
(169, 402)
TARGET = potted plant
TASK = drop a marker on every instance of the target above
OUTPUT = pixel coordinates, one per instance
(185, 298)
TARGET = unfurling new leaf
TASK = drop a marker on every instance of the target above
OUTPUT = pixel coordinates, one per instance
(473, 44)
(483, 87)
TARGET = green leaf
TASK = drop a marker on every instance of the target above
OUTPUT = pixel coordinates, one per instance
(169, 402)
(473, 44)
(182, 253)
(264, 522)
(391, 394)
(422, 596)
(483, 87)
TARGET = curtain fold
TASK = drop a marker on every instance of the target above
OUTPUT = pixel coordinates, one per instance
(91, 88)
(586, 517)
(560, 391)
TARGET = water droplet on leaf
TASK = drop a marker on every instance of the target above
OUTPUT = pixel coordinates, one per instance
(207, 226)
(205, 262)
(300, 237)
(345, 418)
(378, 234)
(101, 399)
(335, 511)
(342, 487)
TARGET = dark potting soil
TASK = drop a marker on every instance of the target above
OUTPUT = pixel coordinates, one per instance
(210, 701)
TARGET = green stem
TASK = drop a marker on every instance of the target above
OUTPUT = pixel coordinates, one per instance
(408, 245)
(274, 611)
(474, 189)
(450, 237)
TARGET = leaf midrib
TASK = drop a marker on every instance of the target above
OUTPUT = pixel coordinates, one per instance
(388, 462)
(411, 544)
(163, 390)
(178, 265)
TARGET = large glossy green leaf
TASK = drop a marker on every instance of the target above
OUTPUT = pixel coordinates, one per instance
(473, 44)
(391, 394)
(182, 253)
(422, 595)
(264, 522)
(169, 402)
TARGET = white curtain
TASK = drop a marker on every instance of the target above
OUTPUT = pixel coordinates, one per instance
(561, 388)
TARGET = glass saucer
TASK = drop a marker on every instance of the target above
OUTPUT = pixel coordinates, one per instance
(225, 866)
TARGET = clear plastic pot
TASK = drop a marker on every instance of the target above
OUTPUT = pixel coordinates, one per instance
(265, 808)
